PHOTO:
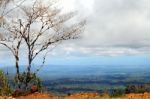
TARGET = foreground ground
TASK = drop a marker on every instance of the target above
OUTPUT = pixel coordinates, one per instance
(80, 96)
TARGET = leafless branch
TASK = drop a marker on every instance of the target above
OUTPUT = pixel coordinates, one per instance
(5, 13)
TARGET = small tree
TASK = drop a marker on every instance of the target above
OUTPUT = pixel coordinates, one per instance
(40, 26)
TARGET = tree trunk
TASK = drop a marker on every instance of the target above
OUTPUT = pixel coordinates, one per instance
(28, 78)
(17, 71)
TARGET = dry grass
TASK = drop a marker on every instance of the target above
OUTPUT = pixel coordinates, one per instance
(38, 96)
(80, 96)
(138, 96)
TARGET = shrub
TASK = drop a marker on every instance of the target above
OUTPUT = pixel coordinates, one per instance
(117, 92)
(5, 89)
(28, 83)
(137, 88)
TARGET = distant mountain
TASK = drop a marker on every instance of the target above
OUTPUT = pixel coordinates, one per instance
(75, 71)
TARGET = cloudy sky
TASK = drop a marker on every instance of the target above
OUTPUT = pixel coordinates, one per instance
(116, 30)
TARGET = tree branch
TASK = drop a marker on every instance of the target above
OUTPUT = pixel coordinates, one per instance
(8, 48)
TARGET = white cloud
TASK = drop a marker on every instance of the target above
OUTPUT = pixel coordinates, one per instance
(114, 27)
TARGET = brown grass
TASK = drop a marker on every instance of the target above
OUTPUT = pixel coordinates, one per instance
(80, 96)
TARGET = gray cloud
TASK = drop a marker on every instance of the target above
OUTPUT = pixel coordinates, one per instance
(117, 26)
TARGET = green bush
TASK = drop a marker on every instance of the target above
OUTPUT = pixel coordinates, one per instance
(139, 88)
(117, 92)
(28, 83)
(5, 89)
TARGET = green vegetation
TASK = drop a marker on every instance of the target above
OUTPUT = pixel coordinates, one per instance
(5, 89)
(31, 80)
(117, 92)
(138, 88)
(33, 84)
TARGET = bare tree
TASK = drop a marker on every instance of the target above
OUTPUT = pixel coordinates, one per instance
(41, 26)
(8, 35)
(12, 41)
